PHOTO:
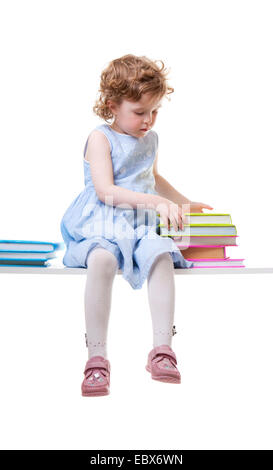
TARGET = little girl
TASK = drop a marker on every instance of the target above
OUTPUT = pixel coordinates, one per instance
(112, 223)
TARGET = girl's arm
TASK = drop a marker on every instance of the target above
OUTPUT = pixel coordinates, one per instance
(99, 157)
(114, 195)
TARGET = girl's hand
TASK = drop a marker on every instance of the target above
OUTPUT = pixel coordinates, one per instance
(172, 213)
(198, 206)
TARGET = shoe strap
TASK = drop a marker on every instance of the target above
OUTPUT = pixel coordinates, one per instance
(160, 352)
(98, 363)
(161, 357)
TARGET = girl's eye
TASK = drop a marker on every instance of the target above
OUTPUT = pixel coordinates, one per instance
(140, 114)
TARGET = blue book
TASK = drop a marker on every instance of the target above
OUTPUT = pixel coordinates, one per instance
(32, 263)
(23, 246)
(26, 255)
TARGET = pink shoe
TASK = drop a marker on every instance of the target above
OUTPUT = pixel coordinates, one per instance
(97, 377)
(162, 364)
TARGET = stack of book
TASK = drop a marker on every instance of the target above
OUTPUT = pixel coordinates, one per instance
(27, 253)
(204, 240)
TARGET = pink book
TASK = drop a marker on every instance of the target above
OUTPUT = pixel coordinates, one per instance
(217, 263)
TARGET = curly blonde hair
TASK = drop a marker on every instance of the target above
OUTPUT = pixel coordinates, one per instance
(129, 77)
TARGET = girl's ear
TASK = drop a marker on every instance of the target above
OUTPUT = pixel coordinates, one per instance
(112, 106)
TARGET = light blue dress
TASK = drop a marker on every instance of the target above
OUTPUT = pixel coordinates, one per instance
(130, 234)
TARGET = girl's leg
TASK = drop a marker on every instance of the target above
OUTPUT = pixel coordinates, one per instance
(161, 294)
(102, 266)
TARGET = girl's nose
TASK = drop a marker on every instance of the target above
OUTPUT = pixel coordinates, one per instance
(148, 119)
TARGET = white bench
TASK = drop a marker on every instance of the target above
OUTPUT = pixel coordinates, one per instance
(58, 268)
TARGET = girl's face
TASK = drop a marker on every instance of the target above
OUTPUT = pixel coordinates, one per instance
(135, 118)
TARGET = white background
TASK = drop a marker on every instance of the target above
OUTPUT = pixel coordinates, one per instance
(215, 146)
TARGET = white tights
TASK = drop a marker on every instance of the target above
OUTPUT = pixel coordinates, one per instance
(102, 266)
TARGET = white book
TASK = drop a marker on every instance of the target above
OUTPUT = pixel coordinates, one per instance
(206, 219)
(193, 230)
(29, 255)
(204, 241)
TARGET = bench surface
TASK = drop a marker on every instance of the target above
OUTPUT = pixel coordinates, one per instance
(59, 268)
